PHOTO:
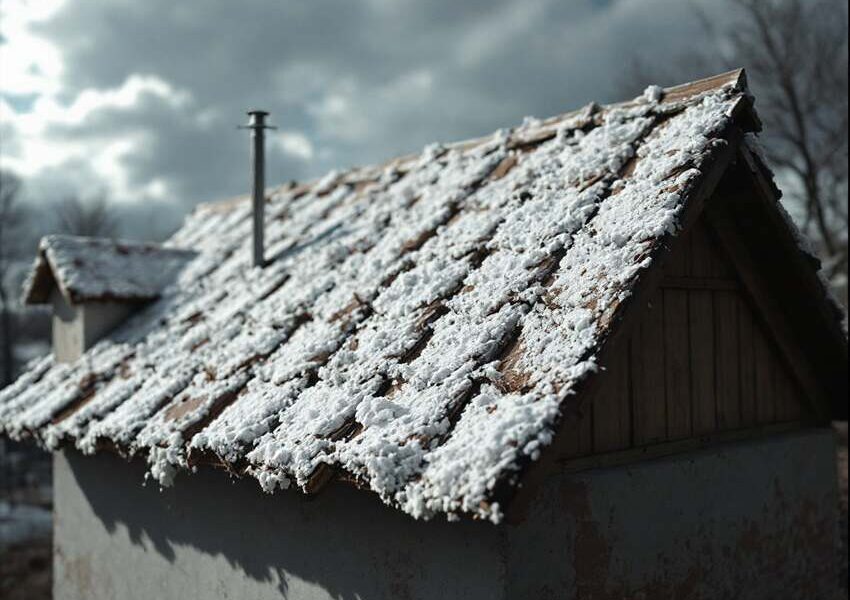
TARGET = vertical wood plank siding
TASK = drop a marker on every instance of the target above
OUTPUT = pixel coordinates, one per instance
(699, 362)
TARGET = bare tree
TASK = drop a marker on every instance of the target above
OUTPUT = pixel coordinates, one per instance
(90, 217)
(796, 54)
(11, 220)
(798, 51)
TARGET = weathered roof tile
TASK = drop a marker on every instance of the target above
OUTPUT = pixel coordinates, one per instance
(420, 325)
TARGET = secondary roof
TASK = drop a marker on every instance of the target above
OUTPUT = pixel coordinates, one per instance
(94, 269)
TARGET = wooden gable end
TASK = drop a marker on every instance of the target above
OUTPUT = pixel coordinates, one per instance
(700, 363)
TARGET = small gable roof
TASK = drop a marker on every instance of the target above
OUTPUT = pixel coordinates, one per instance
(422, 326)
(98, 269)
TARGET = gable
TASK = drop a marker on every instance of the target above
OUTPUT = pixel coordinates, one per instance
(781, 274)
(700, 362)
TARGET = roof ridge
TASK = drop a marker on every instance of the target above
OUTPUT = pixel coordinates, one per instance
(736, 79)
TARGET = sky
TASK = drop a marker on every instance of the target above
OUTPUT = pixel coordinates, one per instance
(140, 100)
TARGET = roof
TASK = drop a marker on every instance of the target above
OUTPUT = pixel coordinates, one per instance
(420, 326)
(95, 269)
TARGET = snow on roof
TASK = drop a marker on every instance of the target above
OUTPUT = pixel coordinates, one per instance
(420, 324)
(86, 269)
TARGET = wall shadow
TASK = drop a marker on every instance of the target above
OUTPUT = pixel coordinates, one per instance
(344, 541)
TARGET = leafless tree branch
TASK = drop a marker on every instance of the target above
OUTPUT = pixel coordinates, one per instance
(10, 224)
(796, 53)
(91, 217)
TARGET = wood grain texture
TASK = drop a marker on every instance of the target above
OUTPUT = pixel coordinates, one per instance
(612, 423)
(789, 401)
(702, 357)
(746, 346)
(768, 271)
(579, 432)
(677, 368)
(764, 376)
(727, 360)
(702, 261)
(699, 362)
(648, 375)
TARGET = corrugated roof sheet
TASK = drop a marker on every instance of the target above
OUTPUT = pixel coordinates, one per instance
(420, 324)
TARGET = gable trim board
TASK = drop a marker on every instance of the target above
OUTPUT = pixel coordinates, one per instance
(221, 402)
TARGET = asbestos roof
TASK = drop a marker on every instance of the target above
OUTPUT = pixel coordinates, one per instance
(95, 269)
(420, 324)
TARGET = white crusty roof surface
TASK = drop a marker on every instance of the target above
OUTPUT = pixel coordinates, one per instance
(420, 324)
(101, 269)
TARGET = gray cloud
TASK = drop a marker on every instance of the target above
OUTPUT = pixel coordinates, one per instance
(350, 82)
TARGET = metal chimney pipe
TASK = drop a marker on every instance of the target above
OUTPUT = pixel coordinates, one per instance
(257, 125)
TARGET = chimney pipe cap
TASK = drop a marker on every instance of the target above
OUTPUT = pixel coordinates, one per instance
(257, 120)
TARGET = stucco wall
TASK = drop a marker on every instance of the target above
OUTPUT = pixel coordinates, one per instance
(67, 329)
(751, 520)
(207, 538)
(102, 317)
(77, 327)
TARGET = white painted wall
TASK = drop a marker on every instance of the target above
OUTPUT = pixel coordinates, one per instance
(68, 333)
(77, 327)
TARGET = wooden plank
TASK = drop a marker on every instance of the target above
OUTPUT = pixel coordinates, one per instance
(764, 367)
(676, 265)
(746, 354)
(815, 292)
(644, 453)
(701, 255)
(677, 367)
(612, 414)
(713, 263)
(682, 92)
(579, 433)
(700, 283)
(781, 306)
(570, 441)
(789, 399)
(727, 360)
(702, 354)
(647, 374)
(721, 265)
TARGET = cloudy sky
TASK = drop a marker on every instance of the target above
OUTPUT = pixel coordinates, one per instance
(140, 99)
